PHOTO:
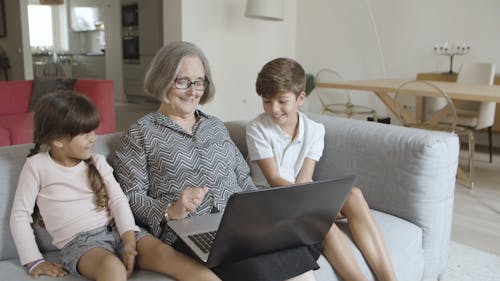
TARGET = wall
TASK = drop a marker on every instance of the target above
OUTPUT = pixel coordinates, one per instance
(236, 47)
(340, 35)
(13, 42)
(113, 58)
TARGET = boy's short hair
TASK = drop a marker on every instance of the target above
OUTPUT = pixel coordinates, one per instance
(281, 75)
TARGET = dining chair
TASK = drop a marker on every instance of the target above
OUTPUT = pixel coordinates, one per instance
(337, 101)
(472, 114)
(444, 110)
(477, 115)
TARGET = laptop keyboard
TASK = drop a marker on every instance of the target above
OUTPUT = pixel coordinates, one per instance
(203, 240)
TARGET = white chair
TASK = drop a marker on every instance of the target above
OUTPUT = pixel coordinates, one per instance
(471, 114)
(336, 101)
(443, 109)
(477, 115)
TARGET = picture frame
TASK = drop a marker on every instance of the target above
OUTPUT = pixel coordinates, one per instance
(3, 27)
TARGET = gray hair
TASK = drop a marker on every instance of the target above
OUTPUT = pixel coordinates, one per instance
(165, 67)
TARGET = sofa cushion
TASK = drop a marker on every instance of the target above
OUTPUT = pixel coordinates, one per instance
(43, 86)
(11, 270)
(12, 159)
(101, 93)
(4, 137)
(20, 127)
(15, 96)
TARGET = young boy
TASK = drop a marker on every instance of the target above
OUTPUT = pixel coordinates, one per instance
(283, 148)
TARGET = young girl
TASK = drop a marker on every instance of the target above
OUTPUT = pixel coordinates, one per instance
(82, 206)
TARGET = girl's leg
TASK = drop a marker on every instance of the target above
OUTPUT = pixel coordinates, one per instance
(306, 276)
(99, 264)
(367, 236)
(340, 255)
(157, 256)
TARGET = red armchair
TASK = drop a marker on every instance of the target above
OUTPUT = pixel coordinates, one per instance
(16, 121)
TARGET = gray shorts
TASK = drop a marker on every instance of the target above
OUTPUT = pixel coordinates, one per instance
(106, 237)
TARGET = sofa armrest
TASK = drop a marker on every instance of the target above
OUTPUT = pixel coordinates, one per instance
(408, 173)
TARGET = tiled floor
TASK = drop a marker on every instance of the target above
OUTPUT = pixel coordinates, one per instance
(476, 214)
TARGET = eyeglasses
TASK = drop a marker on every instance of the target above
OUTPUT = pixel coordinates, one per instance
(185, 83)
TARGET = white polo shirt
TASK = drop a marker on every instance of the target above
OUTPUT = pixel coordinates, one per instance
(265, 139)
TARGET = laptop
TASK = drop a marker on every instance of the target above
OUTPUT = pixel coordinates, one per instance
(265, 221)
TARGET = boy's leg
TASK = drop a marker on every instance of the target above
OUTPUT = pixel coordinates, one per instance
(157, 256)
(367, 236)
(100, 264)
(340, 255)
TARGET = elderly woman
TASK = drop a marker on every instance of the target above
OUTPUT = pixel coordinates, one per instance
(179, 162)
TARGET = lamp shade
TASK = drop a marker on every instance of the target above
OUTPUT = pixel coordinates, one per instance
(265, 9)
(51, 2)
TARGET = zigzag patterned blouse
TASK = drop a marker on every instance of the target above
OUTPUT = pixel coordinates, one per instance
(157, 159)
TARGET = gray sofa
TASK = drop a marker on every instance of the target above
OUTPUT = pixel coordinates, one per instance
(407, 176)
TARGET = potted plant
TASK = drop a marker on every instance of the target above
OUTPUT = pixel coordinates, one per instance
(310, 83)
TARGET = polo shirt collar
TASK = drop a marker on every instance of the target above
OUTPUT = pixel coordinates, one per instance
(300, 131)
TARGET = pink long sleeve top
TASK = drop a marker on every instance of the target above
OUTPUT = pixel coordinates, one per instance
(66, 202)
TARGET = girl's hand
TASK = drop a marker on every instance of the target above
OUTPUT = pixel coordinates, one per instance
(48, 268)
(189, 200)
(129, 251)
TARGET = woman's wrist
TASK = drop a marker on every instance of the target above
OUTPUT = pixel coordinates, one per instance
(168, 212)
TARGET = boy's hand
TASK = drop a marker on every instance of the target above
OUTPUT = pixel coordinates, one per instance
(48, 268)
(129, 251)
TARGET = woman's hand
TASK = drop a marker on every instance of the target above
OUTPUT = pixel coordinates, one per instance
(129, 251)
(189, 200)
(51, 269)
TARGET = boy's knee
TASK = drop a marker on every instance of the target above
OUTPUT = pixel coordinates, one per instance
(357, 194)
(355, 201)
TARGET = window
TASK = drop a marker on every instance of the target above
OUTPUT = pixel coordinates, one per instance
(40, 26)
(48, 26)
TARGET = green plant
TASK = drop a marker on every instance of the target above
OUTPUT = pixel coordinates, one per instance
(310, 83)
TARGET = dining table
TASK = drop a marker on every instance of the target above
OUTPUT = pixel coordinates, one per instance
(385, 89)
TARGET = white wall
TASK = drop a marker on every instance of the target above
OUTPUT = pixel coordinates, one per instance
(114, 54)
(343, 35)
(236, 47)
(339, 34)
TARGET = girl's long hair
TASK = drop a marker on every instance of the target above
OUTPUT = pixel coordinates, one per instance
(68, 114)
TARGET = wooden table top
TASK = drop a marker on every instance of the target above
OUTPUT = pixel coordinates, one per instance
(459, 91)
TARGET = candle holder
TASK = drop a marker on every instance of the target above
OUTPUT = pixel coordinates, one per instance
(459, 50)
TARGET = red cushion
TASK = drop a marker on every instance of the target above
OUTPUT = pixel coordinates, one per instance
(20, 127)
(20, 120)
(16, 122)
(21, 135)
(4, 137)
(15, 96)
(101, 92)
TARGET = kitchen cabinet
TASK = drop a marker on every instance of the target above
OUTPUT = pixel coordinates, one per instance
(150, 27)
(150, 35)
(89, 66)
